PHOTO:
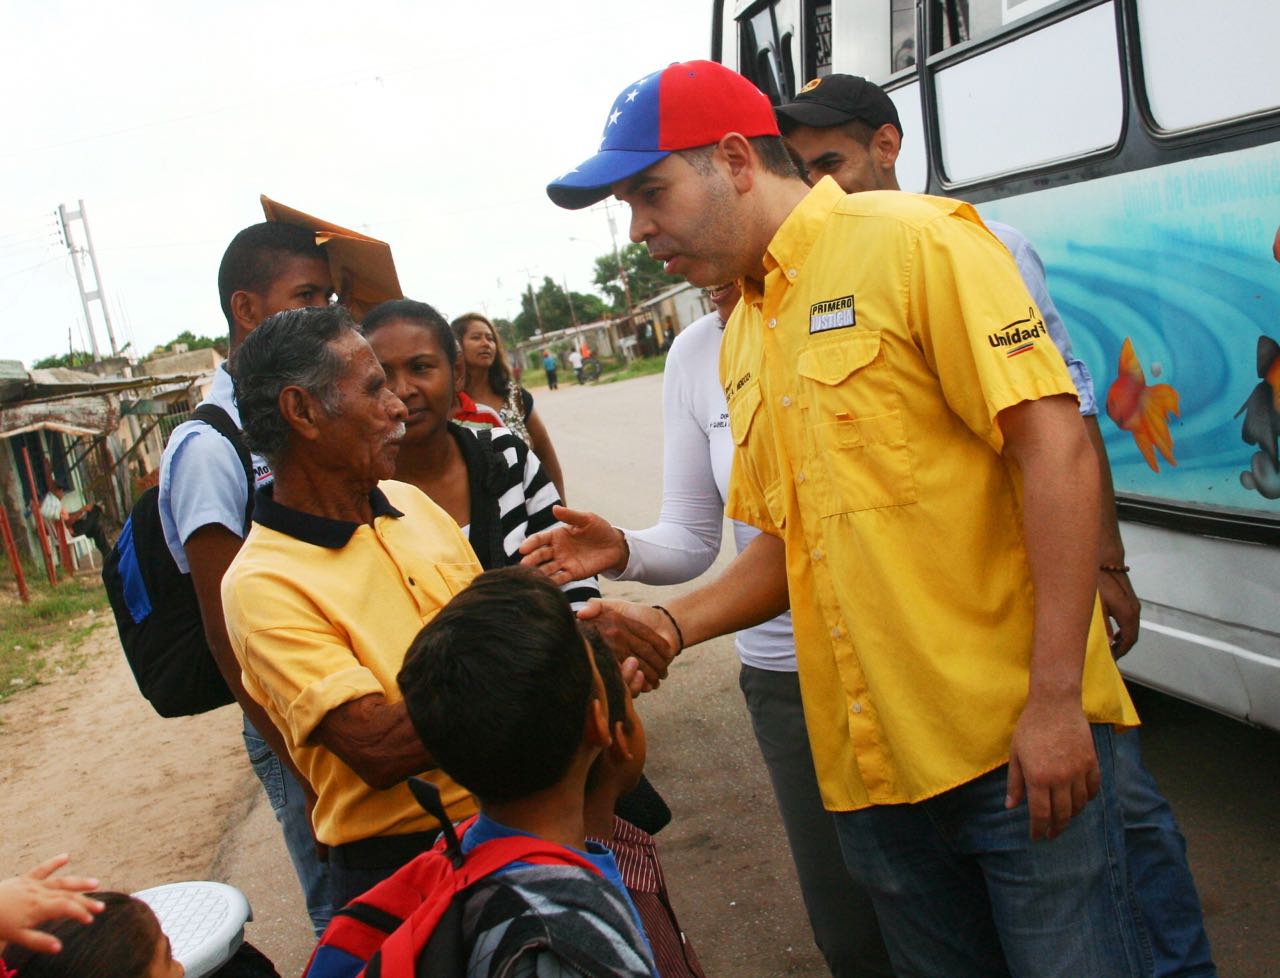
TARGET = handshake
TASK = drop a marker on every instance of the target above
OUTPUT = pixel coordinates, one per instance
(645, 639)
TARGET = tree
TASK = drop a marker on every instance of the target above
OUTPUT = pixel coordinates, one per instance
(553, 307)
(644, 275)
(194, 342)
(76, 358)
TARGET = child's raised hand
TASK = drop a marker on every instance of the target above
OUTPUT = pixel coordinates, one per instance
(37, 896)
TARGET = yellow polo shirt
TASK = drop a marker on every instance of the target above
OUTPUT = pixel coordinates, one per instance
(321, 612)
(863, 389)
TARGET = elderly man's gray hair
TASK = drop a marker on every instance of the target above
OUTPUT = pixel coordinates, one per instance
(289, 349)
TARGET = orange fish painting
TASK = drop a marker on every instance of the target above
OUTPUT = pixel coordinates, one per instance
(1142, 410)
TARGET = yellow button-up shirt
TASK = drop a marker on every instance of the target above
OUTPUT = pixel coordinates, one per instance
(863, 387)
(321, 612)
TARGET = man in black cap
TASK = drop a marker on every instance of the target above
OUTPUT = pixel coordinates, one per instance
(848, 128)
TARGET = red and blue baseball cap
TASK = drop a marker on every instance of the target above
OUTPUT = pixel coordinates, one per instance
(683, 106)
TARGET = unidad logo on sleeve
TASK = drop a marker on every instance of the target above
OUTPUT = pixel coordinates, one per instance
(832, 314)
(1020, 335)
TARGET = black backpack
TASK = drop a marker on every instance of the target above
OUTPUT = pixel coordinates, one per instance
(157, 613)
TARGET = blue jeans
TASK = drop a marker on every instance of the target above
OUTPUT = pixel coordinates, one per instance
(962, 891)
(289, 803)
(1156, 856)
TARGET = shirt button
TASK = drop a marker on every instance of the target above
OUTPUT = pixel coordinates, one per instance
(791, 273)
(817, 553)
(773, 324)
(857, 707)
(786, 401)
(799, 477)
(837, 632)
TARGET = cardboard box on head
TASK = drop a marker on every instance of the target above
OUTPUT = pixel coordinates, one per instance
(363, 270)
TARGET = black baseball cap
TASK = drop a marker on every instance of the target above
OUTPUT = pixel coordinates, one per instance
(837, 99)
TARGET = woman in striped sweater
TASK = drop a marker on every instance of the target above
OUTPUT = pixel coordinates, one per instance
(489, 481)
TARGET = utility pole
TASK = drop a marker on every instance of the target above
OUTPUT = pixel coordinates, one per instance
(617, 256)
(568, 297)
(87, 295)
(533, 298)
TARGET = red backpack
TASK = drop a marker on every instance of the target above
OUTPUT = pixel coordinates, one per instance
(385, 932)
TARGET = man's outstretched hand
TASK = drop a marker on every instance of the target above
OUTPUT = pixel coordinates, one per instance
(581, 545)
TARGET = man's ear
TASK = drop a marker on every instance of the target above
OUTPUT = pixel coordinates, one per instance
(301, 412)
(738, 155)
(886, 144)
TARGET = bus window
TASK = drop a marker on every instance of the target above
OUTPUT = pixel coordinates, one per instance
(768, 41)
(1203, 67)
(1050, 95)
(956, 21)
(821, 46)
(913, 161)
(902, 34)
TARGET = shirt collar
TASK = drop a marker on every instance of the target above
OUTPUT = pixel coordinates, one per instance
(309, 528)
(794, 239)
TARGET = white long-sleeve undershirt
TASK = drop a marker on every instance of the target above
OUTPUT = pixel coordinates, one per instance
(697, 457)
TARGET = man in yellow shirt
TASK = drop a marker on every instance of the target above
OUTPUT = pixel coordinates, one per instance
(848, 128)
(908, 440)
(338, 574)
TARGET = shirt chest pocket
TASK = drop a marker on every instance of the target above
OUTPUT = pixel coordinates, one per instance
(753, 459)
(856, 433)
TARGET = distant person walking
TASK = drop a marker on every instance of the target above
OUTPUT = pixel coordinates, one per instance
(575, 361)
(549, 364)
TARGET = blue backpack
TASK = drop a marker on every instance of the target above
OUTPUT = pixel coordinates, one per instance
(155, 606)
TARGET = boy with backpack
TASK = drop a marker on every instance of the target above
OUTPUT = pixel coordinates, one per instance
(207, 479)
(616, 773)
(504, 693)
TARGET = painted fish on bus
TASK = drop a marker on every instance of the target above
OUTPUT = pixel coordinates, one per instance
(1262, 421)
(1141, 409)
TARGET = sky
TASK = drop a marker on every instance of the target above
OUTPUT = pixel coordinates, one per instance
(433, 126)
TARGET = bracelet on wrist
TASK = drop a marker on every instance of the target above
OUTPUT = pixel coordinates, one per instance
(1115, 568)
(674, 624)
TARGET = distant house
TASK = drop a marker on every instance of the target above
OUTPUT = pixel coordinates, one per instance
(100, 432)
(660, 318)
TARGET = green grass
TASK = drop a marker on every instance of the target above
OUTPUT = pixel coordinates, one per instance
(612, 370)
(46, 634)
(636, 368)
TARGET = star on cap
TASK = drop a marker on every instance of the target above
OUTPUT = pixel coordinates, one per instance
(614, 118)
(631, 95)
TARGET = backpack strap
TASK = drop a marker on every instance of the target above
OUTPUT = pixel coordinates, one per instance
(218, 419)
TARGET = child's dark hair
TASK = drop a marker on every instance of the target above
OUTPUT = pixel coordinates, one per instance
(615, 691)
(497, 685)
(120, 943)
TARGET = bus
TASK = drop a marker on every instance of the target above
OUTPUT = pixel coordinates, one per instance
(1137, 144)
